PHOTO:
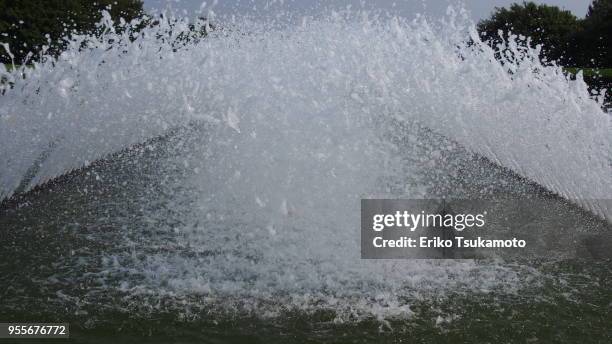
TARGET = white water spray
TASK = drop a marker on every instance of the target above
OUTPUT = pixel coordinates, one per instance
(298, 118)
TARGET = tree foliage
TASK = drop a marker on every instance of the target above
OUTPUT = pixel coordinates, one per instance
(546, 25)
(566, 39)
(28, 25)
(595, 38)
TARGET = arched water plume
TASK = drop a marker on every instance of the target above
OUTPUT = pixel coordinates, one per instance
(297, 122)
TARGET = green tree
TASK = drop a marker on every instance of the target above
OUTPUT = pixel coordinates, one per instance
(27, 25)
(595, 38)
(546, 25)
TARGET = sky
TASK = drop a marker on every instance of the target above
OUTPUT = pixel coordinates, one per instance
(478, 8)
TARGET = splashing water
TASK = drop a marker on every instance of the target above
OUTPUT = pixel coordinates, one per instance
(295, 124)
